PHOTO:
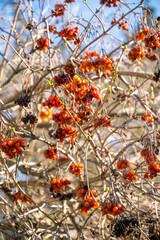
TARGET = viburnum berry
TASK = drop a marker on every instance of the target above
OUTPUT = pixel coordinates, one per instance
(52, 28)
(136, 53)
(70, 69)
(148, 155)
(45, 114)
(62, 132)
(43, 43)
(152, 57)
(83, 192)
(109, 2)
(69, 1)
(70, 34)
(63, 118)
(76, 169)
(84, 113)
(87, 204)
(53, 101)
(141, 35)
(58, 184)
(12, 146)
(62, 159)
(123, 25)
(29, 118)
(90, 94)
(62, 79)
(24, 100)
(130, 176)
(89, 55)
(105, 121)
(20, 196)
(51, 153)
(148, 118)
(112, 209)
(58, 10)
(123, 164)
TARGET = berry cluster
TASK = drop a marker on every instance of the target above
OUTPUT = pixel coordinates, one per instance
(76, 169)
(123, 25)
(84, 113)
(53, 101)
(141, 35)
(147, 118)
(58, 10)
(136, 53)
(63, 118)
(43, 43)
(83, 192)
(61, 133)
(70, 69)
(12, 146)
(23, 100)
(62, 79)
(113, 209)
(21, 196)
(44, 114)
(130, 176)
(52, 28)
(105, 121)
(90, 94)
(58, 183)
(70, 34)
(153, 40)
(89, 55)
(153, 169)
(109, 2)
(78, 88)
(91, 65)
(51, 153)
(148, 155)
(152, 57)
(87, 204)
(29, 118)
(123, 164)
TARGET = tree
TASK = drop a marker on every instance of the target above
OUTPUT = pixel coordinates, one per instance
(80, 121)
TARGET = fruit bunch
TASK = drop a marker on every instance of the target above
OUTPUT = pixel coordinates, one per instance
(58, 10)
(89, 55)
(51, 153)
(90, 65)
(90, 94)
(130, 176)
(70, 34)
(61, 133)
(87, 204)
(153, 169)
(70, 69)
(21, 196)
(84, 113)
(62, 79)
(112, 208)
(141, 35)
(12, 146)
(63, 118)
(137, 53)
(105, 121)
(29, 118)
(23, 100)
(123, 164)
(153, 40)
(58, 183)
(148, 155)
(76, 169)
(44, 114)
(83, 192)
(123, 25)
(147, 118)
(53, 101)
(109, 2)
(52, 28)
(152, 57)
(43, 43)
